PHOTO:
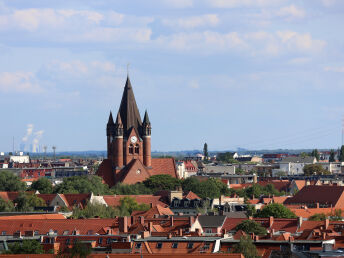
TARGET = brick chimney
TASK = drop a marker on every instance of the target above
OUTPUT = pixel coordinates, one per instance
(171, 220)
(142, 220)
(150, 227)
(271, 221)
(318, 205)
(123, 224)
(180, 232)
(327, 223)
(299, 222)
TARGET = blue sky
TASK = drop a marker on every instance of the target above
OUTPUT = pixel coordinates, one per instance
(234, 73)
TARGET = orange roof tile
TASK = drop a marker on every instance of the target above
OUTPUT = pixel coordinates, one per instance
(33, 216)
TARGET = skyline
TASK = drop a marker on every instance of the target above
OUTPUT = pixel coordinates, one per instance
(250, 74)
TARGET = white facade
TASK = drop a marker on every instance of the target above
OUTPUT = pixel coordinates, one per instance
(20, 159)
(181, 171)
(333, 167)
(290, 168)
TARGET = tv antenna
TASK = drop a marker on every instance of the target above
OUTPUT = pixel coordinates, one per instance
(54, 149)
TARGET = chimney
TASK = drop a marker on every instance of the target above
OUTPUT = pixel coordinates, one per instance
(299, 222)
(123, 224)
(142, 220)
(317, 205)
(171, 220)
(323, 235)
(169, 236)
(271, 221)
(180, 232)
(150, 227)
(327, 223)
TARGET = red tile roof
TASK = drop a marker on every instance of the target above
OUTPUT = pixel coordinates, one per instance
(9, 195)
(164, 166)
(156, 210)
(33, 216)
(191, 196)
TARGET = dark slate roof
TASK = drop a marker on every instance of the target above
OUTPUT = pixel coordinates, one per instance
(146, 118)
(110, 119)
(211, 221)
(128, 110)
(118, 119)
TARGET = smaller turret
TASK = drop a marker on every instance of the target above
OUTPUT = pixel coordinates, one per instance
(110, 127)
(146, 125)
(118, 126)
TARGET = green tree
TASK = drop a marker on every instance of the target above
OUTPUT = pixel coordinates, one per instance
(9, 182)
(317, 217)
(205, 150)
(315, 153)
(43, 185)
(314, 169)
(27, 202)
(124, 189)
(304, 154)
(128, 205)
(80, 250)
(250, 226)
(95, 210)
(275, 210)
(26, 247)
(226, 157)
(82, 184)
(211, 188)
(162, 182)
(6, 206)
(245, 247)
(251, 210)
(332, 157)
(337, 215)
(341, 154)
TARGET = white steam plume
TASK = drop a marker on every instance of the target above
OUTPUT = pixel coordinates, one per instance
(29, 130)
(38, 136)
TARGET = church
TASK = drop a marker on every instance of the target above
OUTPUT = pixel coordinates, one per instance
(129, 158)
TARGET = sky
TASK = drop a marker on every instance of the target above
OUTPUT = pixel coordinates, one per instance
(255, 74)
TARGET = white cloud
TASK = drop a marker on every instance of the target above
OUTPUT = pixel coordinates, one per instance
(19, 82)
(336, 69)
(243, 3)
(299, 61)
(178, 3)
(300, 42)
(328, 3)
(290, 12)
(194, 84)
(192, 22)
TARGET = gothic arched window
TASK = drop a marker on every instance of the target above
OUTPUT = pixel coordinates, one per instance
(137, 149)
(131, 149)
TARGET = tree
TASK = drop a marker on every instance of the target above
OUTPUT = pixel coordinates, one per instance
(245, 247)
(317, 217)
(124, 189)
(211, 188)
(27, 202)
(275, 210)
(251, 210)
(43, 185)
(26, 247)
(9, 182)
(341, 154)
(82, 184)
(93, 210)
(332, 157)
(314, 169)
(205, 150)
(128, 205)
(6, 206)
(336, 215)
(81, 250)
(226, 157)
(162, 182)
(315, 153)
(250, 226)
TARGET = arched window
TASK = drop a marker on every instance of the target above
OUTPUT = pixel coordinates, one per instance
(137, 149)
(131, 149)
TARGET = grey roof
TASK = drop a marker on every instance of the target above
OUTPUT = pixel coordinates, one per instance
(211, 221)
(309, 160)
(129, 111)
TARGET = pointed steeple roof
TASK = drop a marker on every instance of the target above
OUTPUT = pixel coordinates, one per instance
(146, 118)
(118, 119)
(110, 121)
(128, 109)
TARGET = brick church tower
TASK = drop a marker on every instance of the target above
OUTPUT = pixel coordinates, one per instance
(129, 145)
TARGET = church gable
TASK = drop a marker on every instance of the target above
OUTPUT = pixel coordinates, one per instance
(135, 172)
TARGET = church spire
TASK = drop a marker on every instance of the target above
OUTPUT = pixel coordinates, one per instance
(128, 110)
(110, 126)
(110, 121)
(146, 125)
(146, 118)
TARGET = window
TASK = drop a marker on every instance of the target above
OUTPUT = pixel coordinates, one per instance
(138, 245)
(208, 230)
(100, 240)
(108, 240)
(190, 245)
(131, 149)
(159, 245)
(36, 233)
(137, 149)
(66, 232)
(3, 233)
(175, 245)
(67, 241)
(206, 246)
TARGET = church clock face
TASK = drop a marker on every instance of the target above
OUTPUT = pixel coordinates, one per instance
(133, 139)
